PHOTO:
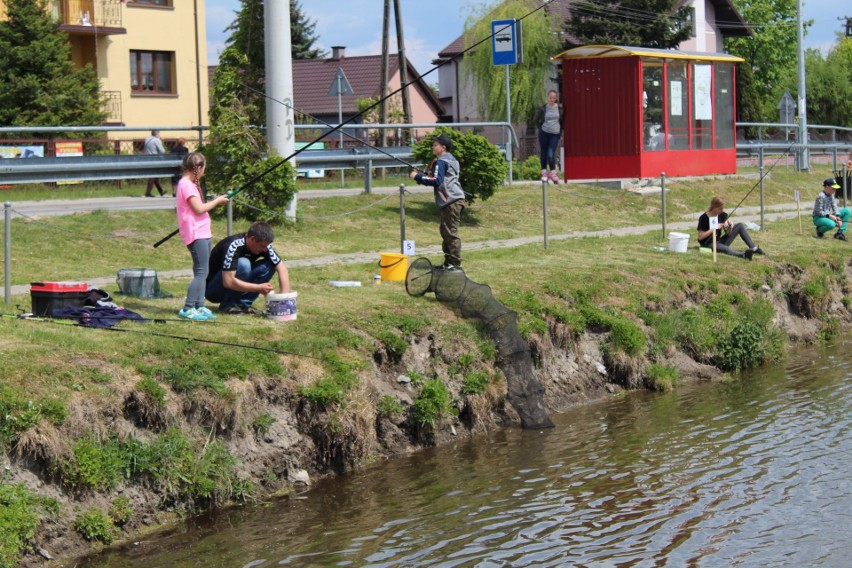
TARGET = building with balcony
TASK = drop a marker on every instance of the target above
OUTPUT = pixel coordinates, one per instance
(149, 56)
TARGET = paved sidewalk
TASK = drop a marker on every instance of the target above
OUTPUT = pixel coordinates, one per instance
(56, 207)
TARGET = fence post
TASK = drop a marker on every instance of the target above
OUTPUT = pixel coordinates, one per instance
(368, 177)
(290, 210)
(402, 218)
(544, 208)
(663, 194)
(7, 217)
(760, 159)
(229, 218)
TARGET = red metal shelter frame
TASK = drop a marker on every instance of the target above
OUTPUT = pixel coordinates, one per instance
(638, 112)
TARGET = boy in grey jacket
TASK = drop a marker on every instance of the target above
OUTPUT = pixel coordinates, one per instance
(443, 176)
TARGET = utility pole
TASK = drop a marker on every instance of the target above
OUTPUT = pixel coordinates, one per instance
(804, 161)
(383, 109)
(403, 70)
(280, 131)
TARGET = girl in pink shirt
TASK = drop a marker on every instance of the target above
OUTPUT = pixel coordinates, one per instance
(194, 225)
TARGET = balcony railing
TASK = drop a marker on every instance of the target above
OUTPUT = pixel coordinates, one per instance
(112, 105)
(100, 13)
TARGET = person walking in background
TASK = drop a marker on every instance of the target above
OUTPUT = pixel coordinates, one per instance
(548, 120)
(826, 215)
(153, 145)
(241, 267)
(195, 230)
(181, 150)
(443, 176)
(726, 232)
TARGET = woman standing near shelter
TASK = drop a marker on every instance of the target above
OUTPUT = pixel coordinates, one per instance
(195, 231)
(548, 120)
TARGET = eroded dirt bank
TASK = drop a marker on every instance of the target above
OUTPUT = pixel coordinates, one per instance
(301, 440)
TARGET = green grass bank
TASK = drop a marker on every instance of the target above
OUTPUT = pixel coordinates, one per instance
(107, 433)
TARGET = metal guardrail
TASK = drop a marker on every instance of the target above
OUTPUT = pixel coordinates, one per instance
(87, 168)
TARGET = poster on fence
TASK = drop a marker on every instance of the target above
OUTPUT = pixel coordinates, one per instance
(68, 150)
(21, 151)
(311, 174)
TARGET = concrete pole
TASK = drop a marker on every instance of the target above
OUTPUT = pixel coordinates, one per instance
(279, 83)
(7, 249)
(804, 160)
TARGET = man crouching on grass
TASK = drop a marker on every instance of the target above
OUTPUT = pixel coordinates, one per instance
(241, 267)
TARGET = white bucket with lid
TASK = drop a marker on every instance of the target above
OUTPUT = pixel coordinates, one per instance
(281, 307)
(678, 242)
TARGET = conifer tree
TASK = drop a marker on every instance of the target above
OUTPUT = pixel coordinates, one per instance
(40, 84)
(640, 23)
(302, 35)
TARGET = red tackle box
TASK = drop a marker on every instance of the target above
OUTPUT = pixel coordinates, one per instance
(47, 296)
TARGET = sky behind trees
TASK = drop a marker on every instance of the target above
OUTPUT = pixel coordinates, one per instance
(430, 26)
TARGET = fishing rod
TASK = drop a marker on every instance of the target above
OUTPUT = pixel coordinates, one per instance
(324, 123)
(760, 179)
(350, 120)
(73, 323)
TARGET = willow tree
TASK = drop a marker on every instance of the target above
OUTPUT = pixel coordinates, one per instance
(527, 79)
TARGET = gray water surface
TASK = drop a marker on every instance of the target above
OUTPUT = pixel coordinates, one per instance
(754, 471)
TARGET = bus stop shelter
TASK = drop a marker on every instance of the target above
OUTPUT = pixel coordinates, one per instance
(635, 112)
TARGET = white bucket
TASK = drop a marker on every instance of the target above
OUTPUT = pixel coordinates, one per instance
(281, 307)
(678, 242)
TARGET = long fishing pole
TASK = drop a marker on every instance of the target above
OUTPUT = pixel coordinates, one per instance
(73, 323)
(324, 123)
(760, 179)
(334, 129)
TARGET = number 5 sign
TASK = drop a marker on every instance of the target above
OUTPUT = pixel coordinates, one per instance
(408, 248)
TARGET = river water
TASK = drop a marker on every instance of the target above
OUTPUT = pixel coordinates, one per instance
(754, 471)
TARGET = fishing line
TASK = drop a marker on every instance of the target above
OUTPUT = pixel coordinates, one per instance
(762, 176)
(72, 322)
(334, 129)
(353, 137)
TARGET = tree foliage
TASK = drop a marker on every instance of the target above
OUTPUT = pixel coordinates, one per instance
(640, 23)
(237, 151)
(302, 36)
(828, 84)
(40, 85)
(248, 31)
(749, 100)
(527, 80)
(482, 166)
(771, 50)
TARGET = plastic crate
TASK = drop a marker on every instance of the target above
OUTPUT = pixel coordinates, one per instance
(48, 296)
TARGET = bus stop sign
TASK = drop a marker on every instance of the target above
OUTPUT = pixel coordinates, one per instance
(505, 42)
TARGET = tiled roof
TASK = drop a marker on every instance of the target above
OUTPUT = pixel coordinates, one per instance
(313, 78)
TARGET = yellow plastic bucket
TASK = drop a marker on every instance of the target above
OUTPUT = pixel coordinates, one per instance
(393, 266)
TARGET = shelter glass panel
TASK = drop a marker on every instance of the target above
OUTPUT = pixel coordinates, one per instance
(677, 109)
(652, 104)
(724, 103)
(702, 106)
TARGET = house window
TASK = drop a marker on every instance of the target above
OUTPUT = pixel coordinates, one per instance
(152, 2)
(152, 72)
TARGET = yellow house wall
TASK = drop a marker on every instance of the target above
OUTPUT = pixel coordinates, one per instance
(152, 28)
(159, 29)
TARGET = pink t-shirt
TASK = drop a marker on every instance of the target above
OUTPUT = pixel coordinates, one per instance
(192, 226)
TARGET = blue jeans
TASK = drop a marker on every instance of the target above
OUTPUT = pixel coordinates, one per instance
(547, 143)
(259, 273)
